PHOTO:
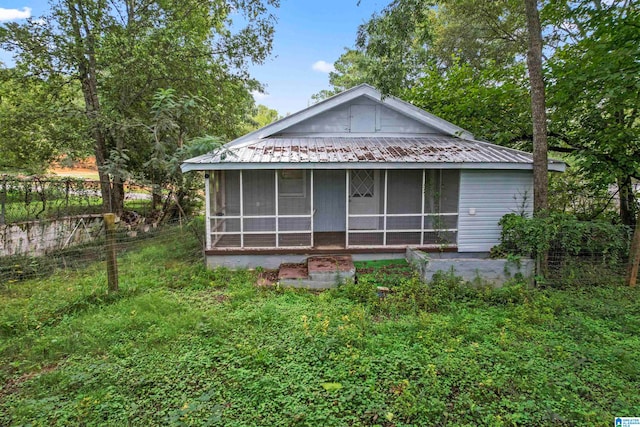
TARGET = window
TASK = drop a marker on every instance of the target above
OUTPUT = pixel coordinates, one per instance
(362, 183)
(292, 183)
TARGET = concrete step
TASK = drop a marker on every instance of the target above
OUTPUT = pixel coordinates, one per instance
(320, 272)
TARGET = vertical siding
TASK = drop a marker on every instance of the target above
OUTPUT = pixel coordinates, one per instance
(362, 115)
(492, 194)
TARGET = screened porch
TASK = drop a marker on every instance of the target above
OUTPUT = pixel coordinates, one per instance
(324, 208)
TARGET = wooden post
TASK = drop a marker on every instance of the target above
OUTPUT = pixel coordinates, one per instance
(112, 261)
(634, 258)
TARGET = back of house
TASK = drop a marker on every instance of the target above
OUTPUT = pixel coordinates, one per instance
(361, 174)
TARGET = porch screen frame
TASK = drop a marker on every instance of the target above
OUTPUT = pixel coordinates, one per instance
(385, 215)
(242, 217)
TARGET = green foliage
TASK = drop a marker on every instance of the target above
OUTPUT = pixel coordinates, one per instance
(491, 102)
(182, 345)
(593, 101)
(40, 121)
(576, 192)
(578, 252)
(533, 236)
(260, 117)
(42, 198)
(190, 50)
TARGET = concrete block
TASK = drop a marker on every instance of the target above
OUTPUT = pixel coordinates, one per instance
(494, 272)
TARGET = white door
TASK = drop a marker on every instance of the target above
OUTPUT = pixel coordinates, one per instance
(364, 198)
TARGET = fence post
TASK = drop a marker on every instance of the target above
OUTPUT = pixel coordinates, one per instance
(112, 261)
(634, 258)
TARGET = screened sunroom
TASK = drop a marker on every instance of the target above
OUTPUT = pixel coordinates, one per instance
(332, 208)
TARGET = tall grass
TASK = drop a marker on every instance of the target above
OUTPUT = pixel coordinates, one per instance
(182, 345)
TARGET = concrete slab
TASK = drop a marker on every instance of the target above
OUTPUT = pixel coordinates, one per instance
(494, 272)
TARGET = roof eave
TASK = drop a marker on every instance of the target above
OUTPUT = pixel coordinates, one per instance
(186, 167)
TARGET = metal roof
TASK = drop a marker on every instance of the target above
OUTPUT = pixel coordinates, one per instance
(433, 151)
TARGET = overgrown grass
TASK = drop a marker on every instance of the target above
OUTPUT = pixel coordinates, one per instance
(181, 345)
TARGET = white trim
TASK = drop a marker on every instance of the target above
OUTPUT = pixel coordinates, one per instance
(424, 188)
(384, 208)
(403, 215)
(241, 212)
(267, 232)
(207, 195)
(277, 207)
(346, 208)
(311, 193)
(407, 230)
(186, 167)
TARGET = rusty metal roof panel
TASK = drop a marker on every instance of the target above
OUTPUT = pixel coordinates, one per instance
(410, 151)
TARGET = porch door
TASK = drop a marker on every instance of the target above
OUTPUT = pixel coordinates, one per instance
(328, 200)
(364, 198)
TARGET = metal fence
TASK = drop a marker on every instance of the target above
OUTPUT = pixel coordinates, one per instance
(589, 264)
(92, 252)
(35, 198)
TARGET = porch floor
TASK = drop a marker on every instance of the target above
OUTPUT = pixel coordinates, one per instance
(329, 240)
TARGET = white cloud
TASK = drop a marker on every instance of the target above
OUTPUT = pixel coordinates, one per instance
(323, 66)
(258, 96)
(13, 14)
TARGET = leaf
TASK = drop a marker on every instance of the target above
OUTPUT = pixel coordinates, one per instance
(331, 386)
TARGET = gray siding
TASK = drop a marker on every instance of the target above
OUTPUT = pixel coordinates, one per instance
(361, 115)
(492, 194)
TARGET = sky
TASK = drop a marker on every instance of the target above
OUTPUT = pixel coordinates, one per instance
(310, 36)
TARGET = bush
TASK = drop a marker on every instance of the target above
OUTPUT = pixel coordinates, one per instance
(531, 237)
(572, 247)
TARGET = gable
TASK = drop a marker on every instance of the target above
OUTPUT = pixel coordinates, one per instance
(362, 115)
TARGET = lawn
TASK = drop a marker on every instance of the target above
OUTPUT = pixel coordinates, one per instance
(181, 345)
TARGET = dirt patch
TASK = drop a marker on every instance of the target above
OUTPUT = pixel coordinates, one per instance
(293, 271)
(267, 278)
(13, 384)
(85, 168)
(330, 263)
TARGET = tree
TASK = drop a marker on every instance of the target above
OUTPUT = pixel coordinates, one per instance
(32, 134)
(594, 100)
(121, 52)
(351, 69)
(538, 108)
(490, 102)
(466, 64)
(262, 116)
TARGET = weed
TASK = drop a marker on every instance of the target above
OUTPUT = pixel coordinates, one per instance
(182, 345)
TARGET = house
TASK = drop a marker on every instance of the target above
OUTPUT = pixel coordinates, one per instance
(361, 174)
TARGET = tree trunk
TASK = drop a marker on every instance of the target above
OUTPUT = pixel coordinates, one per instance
(627, 202)
(538, 111)
(85, 55)
(634, 258)
(117, 196)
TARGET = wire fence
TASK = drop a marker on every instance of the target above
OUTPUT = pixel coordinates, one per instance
(599, 256)
(566, 267)
(36, 198)
(586, 256)
(93, 253)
